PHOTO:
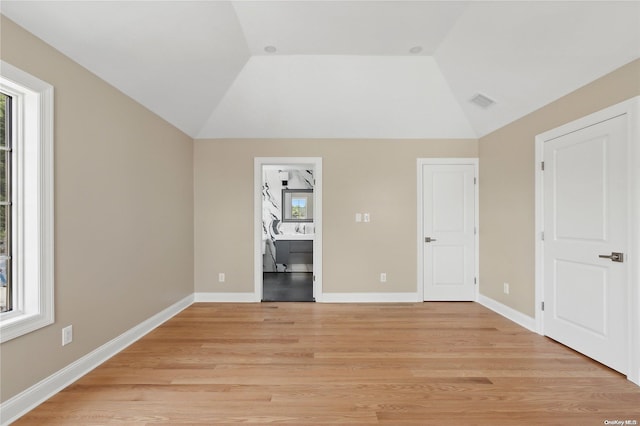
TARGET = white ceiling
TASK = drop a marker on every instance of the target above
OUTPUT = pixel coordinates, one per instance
(342, 69)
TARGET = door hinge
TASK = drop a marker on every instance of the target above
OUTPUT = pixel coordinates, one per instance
(314, 278)
(475, 230)
(542, 235)
(542, 305)
(542, 166)
(474, 181)
(475, 280)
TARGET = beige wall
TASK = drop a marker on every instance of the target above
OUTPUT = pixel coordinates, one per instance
(374, 176)
(123, 214)
(507, 186)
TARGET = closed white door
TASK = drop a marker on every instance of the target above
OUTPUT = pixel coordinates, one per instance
(449, 232)
(586, 218)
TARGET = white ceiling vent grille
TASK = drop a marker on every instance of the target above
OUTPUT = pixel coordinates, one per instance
(482, 101)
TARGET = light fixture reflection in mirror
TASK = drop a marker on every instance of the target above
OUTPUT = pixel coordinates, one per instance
(297, 205)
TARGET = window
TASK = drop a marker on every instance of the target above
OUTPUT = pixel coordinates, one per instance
(298, 208)
(6, 203)
(26, 203)
(297, 205)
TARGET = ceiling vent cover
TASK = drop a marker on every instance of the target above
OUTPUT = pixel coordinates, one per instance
(482, 101)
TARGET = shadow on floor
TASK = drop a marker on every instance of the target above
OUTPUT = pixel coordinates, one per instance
(287, 287)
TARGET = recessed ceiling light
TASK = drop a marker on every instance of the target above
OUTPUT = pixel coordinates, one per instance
(482, 101)
(416, 49)
(270, 49)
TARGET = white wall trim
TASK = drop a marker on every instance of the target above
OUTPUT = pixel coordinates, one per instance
(538, 229)
(371, 298)
(326, 298)
(316, 163)
(420, 214)
(28, 399)
(509, 313)
(630, 107)
(634, 249)
(33, 207)
(226, 297)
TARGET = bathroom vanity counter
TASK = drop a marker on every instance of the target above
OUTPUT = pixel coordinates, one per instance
(296, 251)
(294, 237)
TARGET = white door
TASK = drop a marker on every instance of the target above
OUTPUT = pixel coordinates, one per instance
(449, 232)
(585, 217)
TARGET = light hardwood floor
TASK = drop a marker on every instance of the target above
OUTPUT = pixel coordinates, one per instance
(305, 363)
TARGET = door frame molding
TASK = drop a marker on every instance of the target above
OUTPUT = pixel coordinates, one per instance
(316, 163)
(631, 108)
(466, 161)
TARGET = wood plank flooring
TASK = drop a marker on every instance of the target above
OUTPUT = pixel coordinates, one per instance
(305, 364)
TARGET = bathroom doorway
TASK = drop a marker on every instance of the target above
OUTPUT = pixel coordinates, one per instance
(288, 229)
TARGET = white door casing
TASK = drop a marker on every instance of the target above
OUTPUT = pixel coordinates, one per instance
(316, 164)
(587, 206)
(448, 230)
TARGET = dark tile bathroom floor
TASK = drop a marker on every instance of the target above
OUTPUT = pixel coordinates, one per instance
(287, 287)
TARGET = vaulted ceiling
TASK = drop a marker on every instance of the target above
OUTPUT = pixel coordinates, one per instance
(339, 69)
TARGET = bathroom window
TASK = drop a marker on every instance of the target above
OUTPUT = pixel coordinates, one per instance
(297, 205)
(299, 208)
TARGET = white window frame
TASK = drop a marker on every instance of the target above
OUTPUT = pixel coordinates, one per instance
(33, 273)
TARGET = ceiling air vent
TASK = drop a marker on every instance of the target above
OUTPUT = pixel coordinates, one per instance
(482, 101)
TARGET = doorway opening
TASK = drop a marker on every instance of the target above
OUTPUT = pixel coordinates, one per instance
(288, 200)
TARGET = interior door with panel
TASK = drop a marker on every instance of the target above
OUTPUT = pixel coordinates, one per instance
(586, 237)
(449, 232)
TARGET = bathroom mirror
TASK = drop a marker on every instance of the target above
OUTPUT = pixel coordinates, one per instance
(297, 205)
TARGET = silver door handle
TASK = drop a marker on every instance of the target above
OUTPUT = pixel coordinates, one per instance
(614, 256)
(429, 239)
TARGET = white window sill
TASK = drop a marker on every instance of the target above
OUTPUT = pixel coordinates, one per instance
(18, 324)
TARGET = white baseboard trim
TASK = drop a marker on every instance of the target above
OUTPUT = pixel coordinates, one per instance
(370, 298)
(20, 404)
(227, 297)
(509, 313)
(324, 298)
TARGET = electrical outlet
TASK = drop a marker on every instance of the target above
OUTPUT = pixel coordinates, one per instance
(67, 335)
(505, 288)
(366, 217)
(358, 217)
(221, 277)
(383, 277)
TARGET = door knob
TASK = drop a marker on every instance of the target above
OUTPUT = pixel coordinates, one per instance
(614, 256)
(429, 239)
